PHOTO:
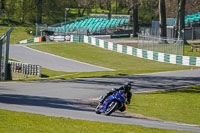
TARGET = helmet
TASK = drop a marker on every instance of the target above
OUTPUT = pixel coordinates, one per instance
(127, 86)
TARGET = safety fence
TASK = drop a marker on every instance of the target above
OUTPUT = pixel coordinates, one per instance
(151, 55)
(25, 69)
(160, 44)
(191, 33)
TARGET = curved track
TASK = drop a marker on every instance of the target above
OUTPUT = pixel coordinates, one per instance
(50, 61)
(72, 98)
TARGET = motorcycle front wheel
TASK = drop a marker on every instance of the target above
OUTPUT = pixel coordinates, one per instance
(97, 109)
(111, 107)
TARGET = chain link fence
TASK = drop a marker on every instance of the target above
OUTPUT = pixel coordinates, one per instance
(158, 44)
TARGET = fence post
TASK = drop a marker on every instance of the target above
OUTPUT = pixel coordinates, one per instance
(9, 72)
(7, 53)
(193, 33)
(0, 58)
(4, 53)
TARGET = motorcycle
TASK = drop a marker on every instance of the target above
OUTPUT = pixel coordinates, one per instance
(114, 102)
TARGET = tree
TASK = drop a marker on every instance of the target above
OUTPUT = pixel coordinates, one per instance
(135, 18)
(24, 10)
(162, 18)
(84, 5)
(180, 21)
(39, 5)
(2, 4)
(108, 3)
(128, 6)
(116, 2)
(101, 4)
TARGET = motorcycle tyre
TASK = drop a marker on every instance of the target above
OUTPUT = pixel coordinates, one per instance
(113, 108)
(97, 109)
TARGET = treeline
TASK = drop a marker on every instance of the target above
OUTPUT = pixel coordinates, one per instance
(53, 11)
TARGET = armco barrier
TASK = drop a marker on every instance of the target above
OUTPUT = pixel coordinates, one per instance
(151, 55)
(26, 69)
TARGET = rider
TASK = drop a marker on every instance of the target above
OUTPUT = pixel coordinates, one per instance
(126, 87)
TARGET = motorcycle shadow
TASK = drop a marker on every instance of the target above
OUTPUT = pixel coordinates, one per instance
(93, 105)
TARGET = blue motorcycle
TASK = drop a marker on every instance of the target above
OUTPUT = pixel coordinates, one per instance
(114, 102)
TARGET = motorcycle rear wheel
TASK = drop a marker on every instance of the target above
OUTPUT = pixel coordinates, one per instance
(111, 107)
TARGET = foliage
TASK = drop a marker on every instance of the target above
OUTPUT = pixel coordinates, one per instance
(19, 33)
(53, 11)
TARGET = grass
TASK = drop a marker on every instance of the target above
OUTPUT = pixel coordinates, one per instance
(122, 64)
(181, 105)
(188, 51)
(46, 73)
(19, 33)
(12, 122)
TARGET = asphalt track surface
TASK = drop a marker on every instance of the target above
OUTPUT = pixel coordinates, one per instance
(73, 98)
(50, 61)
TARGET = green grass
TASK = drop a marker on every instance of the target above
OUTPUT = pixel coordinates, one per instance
(18, 34)
(188, 51)
(176, 105)
(51, 73)
(16, 122)
(122, 63)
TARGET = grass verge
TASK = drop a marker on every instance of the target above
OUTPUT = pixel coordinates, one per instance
(181, 105)
(122, 64)
(18, 34)
(24, 122)
(189, 52)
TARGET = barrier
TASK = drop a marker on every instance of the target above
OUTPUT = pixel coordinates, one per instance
(151, 55)
(33, 40)
(147, 54)
(77, 38)
(25, 69)
(120, 36)
(160, 44)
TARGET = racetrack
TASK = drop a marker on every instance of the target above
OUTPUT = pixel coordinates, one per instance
(72, 98)
(50, 61)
